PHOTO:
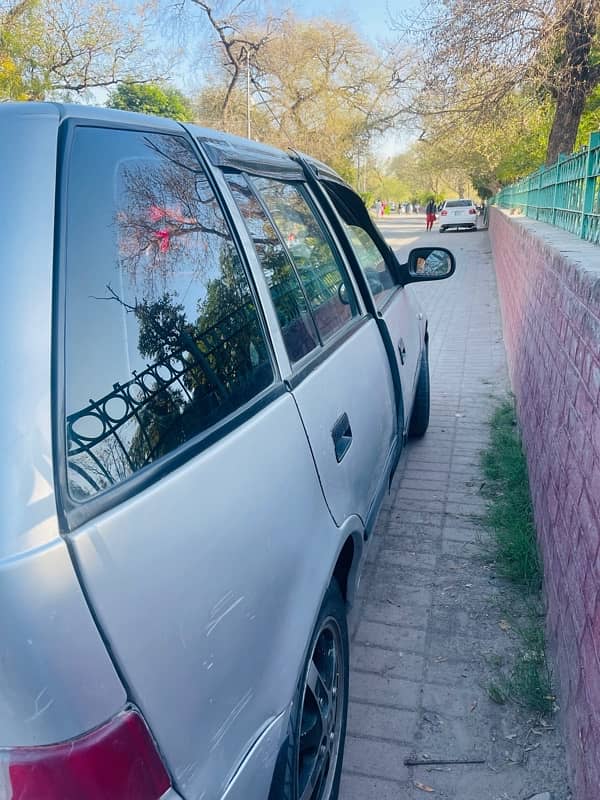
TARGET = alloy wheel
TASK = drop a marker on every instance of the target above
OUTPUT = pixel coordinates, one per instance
(321, 715)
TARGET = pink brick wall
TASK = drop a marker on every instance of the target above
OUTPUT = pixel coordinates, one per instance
(551, 319)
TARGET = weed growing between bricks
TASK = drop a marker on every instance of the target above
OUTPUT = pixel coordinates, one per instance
(510, 518)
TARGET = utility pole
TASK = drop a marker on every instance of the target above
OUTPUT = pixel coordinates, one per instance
(248, 131)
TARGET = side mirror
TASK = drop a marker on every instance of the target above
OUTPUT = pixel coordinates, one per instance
(427, 264)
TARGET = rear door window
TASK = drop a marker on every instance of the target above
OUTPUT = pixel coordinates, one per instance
(163, 337)
(313, 256)
(290, 301)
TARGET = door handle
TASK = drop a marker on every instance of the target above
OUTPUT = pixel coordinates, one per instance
(341, 433)
(402, 350)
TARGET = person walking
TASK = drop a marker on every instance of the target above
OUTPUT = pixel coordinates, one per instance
(430, 214)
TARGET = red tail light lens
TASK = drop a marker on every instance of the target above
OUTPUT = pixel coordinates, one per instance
(117, 761)
(443, 213)
(472, 211)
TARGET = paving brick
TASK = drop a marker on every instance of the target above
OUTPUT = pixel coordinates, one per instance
(381, 722)
(357, 787)
(377, 759)
(384, 690)
(385, 662)
(390, 637)
(392, 614)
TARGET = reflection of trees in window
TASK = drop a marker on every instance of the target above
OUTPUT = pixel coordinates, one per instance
(289, 299)
(310, 251)
(198, 369)
(168, 218)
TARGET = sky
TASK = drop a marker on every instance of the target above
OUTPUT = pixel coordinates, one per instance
(373, 18)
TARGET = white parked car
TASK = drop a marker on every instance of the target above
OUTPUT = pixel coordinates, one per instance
(458, 214)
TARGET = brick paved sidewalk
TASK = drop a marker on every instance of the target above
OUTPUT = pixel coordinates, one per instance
(426, 626)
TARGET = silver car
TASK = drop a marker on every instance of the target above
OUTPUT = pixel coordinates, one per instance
(211, 364)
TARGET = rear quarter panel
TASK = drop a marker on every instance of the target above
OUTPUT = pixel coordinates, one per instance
(56, 679)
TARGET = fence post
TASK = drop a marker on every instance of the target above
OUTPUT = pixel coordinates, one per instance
(559, 161)
(589, 183)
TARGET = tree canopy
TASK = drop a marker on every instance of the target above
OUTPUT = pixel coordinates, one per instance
(70, 46)
(151, 98)
(479, 54)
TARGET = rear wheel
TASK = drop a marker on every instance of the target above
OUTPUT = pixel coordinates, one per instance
(419, 419)
(442, 228)
(310, 764)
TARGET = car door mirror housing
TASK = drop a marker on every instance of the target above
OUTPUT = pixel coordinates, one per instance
(427, 264)
(343, 294)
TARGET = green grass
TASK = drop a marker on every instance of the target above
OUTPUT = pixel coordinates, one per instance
(527, 681)
(530, 681)
(510, 514)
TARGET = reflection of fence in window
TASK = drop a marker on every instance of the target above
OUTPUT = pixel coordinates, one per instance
(167, 403)
(320, 283)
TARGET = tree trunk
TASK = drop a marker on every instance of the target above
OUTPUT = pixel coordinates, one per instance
(569, 108)
(574, 78)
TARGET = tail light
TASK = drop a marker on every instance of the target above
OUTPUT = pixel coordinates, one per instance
(472, 211)
(117, 761)
(443, 213)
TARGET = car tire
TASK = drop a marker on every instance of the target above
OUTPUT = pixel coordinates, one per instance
(314, 748)
(419, 418)
(442, 228)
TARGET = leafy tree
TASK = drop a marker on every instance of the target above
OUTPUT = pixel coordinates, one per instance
(151, 98)
(484, 52)
(69, 46)
(315, 86)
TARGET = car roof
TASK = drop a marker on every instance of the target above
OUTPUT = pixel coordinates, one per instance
(222, 149)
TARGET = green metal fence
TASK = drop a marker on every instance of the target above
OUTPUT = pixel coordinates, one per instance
(567, 194)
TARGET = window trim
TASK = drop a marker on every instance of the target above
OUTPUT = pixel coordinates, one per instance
(72, 513)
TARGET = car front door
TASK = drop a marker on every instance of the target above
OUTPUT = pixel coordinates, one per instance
(338, 369)
(393, 303)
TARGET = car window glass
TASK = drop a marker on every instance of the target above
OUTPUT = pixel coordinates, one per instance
(311, 253)
(369, 257)
(355, 219)
(296, 321)
(163, 338)
(458, 203)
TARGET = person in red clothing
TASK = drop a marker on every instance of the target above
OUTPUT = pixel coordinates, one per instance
(430, 214)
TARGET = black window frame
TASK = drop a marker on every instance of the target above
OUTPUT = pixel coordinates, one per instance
(72, 513)
(373, 233)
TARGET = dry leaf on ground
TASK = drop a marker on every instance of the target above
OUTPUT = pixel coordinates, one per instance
(423, 787)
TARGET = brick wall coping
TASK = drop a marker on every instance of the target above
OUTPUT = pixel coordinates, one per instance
(582, 255)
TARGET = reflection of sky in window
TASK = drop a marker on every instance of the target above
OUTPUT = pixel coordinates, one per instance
(96, 195)
(185, 279)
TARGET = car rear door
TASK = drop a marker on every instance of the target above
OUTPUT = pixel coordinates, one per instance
(338, 369)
